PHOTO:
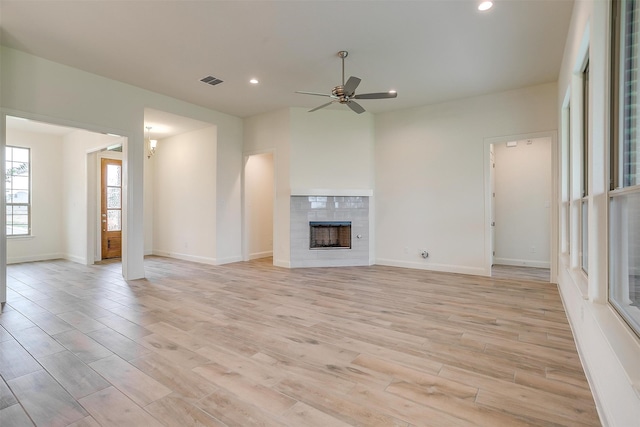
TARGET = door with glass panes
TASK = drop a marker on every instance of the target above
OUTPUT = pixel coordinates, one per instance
(111, 208)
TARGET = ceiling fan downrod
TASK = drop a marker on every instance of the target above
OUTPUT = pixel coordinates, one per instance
(343, 54)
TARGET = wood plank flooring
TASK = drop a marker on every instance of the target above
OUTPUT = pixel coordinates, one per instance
(519, 272)
(249, 344)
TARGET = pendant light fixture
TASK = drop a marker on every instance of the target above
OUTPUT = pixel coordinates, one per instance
(151, 143)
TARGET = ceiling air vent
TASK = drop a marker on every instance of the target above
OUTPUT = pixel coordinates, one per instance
(210, 80)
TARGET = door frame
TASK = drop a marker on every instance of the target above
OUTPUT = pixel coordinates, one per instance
(95, 213)
(488, 200)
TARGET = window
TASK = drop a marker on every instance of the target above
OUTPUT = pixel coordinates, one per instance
(624, 194)
(584, 204)
(18, 191)
(566, 179)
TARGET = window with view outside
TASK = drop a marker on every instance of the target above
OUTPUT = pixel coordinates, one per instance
(584, 210)
(18, 191)
(624, 194)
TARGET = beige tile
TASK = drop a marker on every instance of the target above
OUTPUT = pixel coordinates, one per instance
(15, 361)
(13, 321)
(14, 416)
(118, 344)
(126, 327)
(37, 342)
(111, 408)
(45, 401)
(174, 376)
(251, 344)
(6, 396)
(302, 414)
(50, 323)
(235, 411)
(138, 386)
(81, 321)
(172, 351)
(174, 410)
(84, 347)
(4, 335)
(85, 422)
(73, 374)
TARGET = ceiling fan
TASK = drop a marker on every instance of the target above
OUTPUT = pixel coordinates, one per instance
(346, 92)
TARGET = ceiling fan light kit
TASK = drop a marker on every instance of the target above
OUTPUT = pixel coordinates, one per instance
(346, 92)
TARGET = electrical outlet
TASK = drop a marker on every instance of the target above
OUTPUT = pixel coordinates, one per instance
(406, 249)
(533, 249)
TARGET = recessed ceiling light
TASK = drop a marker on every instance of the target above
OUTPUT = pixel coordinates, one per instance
(485, 5)
(393, 91)
(254, 81)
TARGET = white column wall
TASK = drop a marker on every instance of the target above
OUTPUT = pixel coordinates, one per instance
(270, 133)
(78, 169)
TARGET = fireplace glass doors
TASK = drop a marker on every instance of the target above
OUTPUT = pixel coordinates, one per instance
(330, 235)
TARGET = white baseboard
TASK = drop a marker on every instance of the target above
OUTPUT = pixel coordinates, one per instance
(446, 268)
(196, 258)
(185, 257)
(259, 255)
(282, 263)
(522, 262)
(33, 258)
(74, 258)
(229, 260)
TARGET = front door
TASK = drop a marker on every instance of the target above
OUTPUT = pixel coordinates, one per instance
(111, 208)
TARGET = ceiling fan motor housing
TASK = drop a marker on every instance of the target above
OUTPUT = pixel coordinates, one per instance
(338, 91)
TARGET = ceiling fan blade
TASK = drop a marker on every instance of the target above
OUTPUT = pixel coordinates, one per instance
(322, 106)
(351, 85)
(313, 93)
(379, 95)
(355, 107)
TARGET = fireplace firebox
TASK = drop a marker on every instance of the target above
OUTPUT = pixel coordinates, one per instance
(330, 235)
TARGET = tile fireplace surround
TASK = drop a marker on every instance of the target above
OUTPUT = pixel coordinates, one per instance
(305, 209)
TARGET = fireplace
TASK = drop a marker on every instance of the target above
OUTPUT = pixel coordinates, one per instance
(330, 235)
(329, 231)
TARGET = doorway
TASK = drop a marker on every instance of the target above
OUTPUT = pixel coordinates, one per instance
(520, 205)
(259, 196)
(111, 208)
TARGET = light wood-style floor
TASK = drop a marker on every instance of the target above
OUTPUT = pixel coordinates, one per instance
(249, 344)
(518, 272)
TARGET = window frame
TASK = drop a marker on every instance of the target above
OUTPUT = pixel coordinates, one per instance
(584, 172)
(8, 188)
(620, 193)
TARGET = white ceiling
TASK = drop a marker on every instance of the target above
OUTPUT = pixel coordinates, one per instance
(429, 51)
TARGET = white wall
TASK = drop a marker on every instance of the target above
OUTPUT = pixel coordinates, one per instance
(270, 133)
(331, 149)
(46, 240)
(184, 198)
(429, 163)
(40, 89)
(149, 189)
(79, 199)
(523, 202)
(608, 349)
(228, 193)
(259, 200)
